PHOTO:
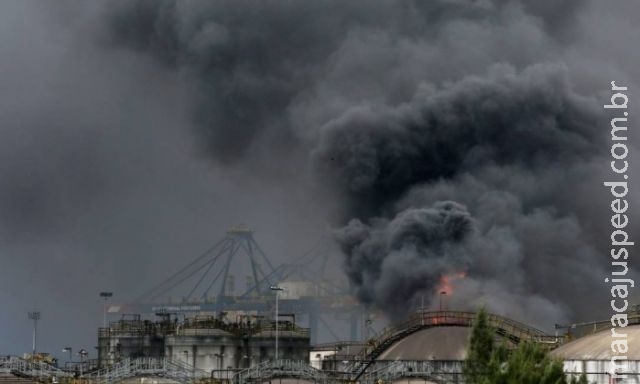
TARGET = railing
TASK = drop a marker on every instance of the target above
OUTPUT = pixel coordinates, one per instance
(510, 329)
(336, 345)
(185, 373)
(143, 327)
(34, 369)
(427, 370)
(581, 329)
(280, 369)
(514, 330)
(126, 368)
(300, 332)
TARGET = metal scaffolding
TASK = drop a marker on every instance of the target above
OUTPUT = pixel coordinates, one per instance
(186, 374)
(39, 370)
(280, 369)
(147, 366)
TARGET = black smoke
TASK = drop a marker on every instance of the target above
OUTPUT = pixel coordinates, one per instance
(447, 136)
(248, 62)
(436, 137)
(528, 120)
(477, 138)
(390, 260)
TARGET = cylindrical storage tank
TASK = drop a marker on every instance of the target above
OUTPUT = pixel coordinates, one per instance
(207, 349)
(129, 337)
(592, 355)
(115, 344)
(410, 360)
(292, 345)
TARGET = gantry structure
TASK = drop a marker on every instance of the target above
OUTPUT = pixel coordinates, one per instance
(206, 284)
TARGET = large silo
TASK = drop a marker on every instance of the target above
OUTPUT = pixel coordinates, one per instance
(205, 344)
(209, 344)
(592, 355)
(130, 337)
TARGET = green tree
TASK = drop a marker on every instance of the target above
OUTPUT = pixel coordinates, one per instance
(580, 380)
(529, 363)
(480, 354)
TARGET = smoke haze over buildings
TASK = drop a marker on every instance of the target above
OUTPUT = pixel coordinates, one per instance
(434, 137)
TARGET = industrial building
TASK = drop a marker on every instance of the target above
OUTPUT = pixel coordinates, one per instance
(205, 342)
(226, 337)
(428, 348)
(208, 284)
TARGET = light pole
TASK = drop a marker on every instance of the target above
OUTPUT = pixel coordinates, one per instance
(443, 293)
(105, 296)
(35, 316)
(83, 353)
(277, 289)
(367, 329)
(68, 349)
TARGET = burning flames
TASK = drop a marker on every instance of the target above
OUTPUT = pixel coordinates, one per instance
(447, 282)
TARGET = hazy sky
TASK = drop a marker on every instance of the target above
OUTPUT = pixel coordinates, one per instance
(133, 134)
(102, 185)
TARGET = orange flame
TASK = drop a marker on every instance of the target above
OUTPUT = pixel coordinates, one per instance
(447, 282)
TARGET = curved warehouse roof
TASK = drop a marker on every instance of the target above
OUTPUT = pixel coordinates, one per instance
(598, 345)
(437, 343)
(444, 335)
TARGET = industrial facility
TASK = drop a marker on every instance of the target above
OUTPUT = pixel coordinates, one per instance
(204, 343)
(270, 331)
(429, 348)
(208, 285)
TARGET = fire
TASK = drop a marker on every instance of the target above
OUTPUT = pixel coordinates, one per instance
(447, 282)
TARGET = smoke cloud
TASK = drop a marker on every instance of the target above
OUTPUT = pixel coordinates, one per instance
(477, 139)
(393, 259)
(450, 136)
(437, 138)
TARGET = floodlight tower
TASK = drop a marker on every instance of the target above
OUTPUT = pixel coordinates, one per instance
(277, 289)
(70, 350)
(35, 316)
(105, 296)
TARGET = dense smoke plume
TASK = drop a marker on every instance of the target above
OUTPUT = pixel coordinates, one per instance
(390, 260)
(453, 136)
(476, 139)
(437, 138)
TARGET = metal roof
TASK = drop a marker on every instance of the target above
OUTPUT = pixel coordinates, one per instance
(437, 343)
(597, 346)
